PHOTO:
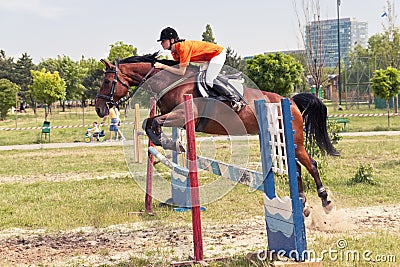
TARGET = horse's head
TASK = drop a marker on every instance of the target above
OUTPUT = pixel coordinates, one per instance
(114, 87)
(131, 71)
(118, 78)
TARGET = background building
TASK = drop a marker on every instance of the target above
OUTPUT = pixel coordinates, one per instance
(325, 34)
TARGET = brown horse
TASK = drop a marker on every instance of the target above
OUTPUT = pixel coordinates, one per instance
(134, 71)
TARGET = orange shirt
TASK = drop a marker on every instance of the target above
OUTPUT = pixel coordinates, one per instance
(195, 51)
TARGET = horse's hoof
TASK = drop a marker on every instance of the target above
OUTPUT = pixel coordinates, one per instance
(306, 211)
(328, 207)
(180, 148)
(169, 144)
(325, 202)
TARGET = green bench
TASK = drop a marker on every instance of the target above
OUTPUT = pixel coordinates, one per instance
(343, 121)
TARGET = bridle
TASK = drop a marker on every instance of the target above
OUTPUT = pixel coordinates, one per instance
(110, 97)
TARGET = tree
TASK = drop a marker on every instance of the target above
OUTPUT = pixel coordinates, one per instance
(275, 72)
(208, 35)
(47, 87)
(386, 84)
(312, 39)
(23, 77)
(358, 72)
(72, 73)
(8, 94)
(92, 78)
(385, 46)
(6, 66)
(234, 61)
(120, 50)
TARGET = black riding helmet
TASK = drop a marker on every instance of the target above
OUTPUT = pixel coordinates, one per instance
(168, 34)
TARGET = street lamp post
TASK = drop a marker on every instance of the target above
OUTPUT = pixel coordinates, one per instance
(338, 43)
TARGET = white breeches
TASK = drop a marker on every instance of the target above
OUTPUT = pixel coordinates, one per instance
(214, 67)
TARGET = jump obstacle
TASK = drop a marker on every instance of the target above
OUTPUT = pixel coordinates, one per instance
(137, 136)
(284, 217)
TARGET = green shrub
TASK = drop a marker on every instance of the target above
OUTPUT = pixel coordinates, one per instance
(364, 174)
(333, 130)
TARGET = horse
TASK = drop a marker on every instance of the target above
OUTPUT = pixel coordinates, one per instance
(309, 112)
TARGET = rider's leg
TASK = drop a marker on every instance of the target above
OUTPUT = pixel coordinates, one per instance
(214, 68)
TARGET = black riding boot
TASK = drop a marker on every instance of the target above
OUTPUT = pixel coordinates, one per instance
(223, 90)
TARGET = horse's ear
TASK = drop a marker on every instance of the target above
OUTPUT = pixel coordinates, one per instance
(155, 55)
(106, 63)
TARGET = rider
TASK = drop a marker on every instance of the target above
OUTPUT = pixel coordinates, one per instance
(186, 51)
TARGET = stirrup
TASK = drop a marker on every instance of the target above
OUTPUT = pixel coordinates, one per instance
(237, 106)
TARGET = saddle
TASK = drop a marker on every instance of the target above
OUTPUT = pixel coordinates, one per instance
(227, 87)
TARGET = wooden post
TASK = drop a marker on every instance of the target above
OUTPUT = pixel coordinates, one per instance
(194, 183)
(137, 139)
(148, 202)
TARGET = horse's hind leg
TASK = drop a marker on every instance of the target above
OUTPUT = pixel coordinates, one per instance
(302, 195)
(311, 166)
(300, 184)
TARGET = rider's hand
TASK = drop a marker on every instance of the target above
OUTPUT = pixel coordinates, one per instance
(158, 65)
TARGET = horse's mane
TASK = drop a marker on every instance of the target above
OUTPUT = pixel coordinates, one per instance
(150, 58)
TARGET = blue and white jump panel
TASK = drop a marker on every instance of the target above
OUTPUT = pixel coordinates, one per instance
(180, 189)
(231, 172)
(180, 184)
(284, 216)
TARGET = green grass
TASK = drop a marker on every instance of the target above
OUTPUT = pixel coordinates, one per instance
(75, 116)
(365, 124)
(71, 117)
(71, 204)
(105, 161)
(68, 205)
(237, 261)
(379, 248)
(382, 153)
(359, 124)
(91, 160)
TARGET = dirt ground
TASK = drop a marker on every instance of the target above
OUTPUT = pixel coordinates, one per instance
(161, 242)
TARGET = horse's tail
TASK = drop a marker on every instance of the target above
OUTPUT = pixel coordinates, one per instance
(314, 114)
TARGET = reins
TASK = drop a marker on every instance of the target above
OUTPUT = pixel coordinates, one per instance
(172, 86)
(132, 93)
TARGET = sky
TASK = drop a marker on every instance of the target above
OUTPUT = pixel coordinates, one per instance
(75, 28)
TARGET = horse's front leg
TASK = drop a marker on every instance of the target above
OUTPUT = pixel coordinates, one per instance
(153, 134)
(153, 129)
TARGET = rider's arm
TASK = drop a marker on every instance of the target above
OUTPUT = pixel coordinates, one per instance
(178, 71)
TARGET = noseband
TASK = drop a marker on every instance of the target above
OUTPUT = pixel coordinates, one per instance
(110, 97)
